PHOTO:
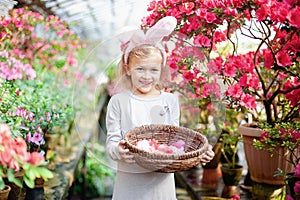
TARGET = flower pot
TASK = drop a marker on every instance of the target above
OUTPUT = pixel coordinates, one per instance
(5, 192)
(231, 178)
(210, 177)
(261, 165)
(36, 193)
(16, 191)
(212, 171)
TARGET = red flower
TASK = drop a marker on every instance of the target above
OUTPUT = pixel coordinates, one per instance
(262, 12)
(293, 17)
(187, 8)
(283, 59)
(248, 101)
(201, 40)
(219, 36)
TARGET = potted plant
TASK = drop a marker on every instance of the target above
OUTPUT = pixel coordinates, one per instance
(14, 157)
(230, 167)
(38, 64)
(261, 80)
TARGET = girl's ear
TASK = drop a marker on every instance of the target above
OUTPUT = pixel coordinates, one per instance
(127, 69)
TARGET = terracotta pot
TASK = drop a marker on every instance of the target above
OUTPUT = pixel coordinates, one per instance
(16, 191)
(210, 176)
(261, 165)
(5, 192)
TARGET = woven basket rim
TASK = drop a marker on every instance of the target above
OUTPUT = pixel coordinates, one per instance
(183, 156)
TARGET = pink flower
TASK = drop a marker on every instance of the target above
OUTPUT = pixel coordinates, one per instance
(37, 137)
(248, 101)
(235, 91)
(283, 59)
(201, 40)
(288, 197)
(188, 75)
(235, 197)
(35, 158)
(293, 17)
(269, 61)
(229, 70)
(297, 170)
(297, 187)
(201, 12)
(187, 8)
(210, 17)
(249, 81)
(219, 36)
(262, 12)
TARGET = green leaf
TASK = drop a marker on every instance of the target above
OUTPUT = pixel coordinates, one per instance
(2, 184)
(45, 173)
(29, 182)
(30, 173)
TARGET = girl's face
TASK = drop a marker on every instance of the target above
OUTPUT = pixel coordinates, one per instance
(145, 75)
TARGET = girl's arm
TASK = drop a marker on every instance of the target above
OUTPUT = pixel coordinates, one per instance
(115, 143)
(113, 125)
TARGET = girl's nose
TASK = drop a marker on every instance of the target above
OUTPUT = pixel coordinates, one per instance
(146, 74)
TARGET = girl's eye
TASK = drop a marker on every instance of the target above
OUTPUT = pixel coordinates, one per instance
(155, 70)
(139, 69)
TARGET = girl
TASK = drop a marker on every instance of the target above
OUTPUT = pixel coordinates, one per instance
(143, 71)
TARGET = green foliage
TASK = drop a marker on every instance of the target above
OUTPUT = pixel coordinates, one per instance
(32, 172)
(286, 135)
(230, 137)
(97, 173)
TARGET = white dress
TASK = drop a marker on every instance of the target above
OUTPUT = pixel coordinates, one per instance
(124, 112)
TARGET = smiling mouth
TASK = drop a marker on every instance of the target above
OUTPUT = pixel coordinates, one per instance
(146, 83)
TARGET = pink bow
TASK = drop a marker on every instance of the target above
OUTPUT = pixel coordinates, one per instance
(164, 27)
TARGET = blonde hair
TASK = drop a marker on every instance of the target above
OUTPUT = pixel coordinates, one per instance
(144, 51)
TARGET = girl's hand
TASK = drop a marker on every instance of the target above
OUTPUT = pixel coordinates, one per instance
(209, 155)
(125, 154)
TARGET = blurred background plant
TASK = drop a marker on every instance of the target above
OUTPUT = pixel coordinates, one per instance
(15, 157)
(38, 67)
(94, 174)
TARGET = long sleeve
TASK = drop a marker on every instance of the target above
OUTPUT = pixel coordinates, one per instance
(113, 125)
(175, 112)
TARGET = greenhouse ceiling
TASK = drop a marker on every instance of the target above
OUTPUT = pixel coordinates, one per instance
(93, 19)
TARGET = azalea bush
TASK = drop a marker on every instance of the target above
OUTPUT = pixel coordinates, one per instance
(14, 157)
(263, 79)
(37, 68)
(283, 135)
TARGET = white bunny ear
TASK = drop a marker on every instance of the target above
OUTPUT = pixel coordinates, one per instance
(137, 38)
(162, 28)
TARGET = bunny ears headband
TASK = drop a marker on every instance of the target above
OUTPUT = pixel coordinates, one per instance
(164, 27)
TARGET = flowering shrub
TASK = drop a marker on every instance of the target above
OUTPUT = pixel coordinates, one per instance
(263, 80)
(14, 156)
(281, 135)
(37, 65)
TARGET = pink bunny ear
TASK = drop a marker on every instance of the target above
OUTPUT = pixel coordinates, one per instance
(154, 35)
(162, 28)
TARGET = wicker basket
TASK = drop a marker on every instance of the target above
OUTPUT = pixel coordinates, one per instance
(195, 146)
